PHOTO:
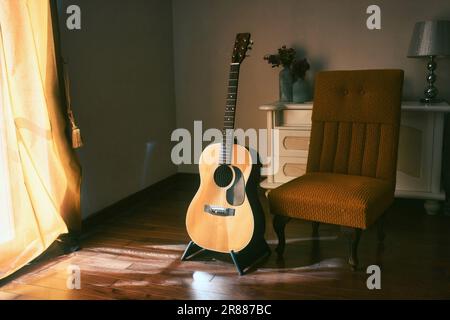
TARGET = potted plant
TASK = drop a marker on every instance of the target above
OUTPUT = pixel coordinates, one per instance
(293, 71)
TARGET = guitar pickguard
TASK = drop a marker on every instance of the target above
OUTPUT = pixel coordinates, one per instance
(236, 193)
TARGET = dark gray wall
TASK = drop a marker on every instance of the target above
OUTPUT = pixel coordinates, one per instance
(123, 60)
(121, 68)
(331, 34)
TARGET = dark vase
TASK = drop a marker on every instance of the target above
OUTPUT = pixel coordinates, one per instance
(300, 91)
(286, 81)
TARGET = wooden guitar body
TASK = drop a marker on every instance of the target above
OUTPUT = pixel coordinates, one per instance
(222, 231)
(225, 215)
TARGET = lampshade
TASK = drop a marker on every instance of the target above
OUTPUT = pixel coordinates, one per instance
(430, 38)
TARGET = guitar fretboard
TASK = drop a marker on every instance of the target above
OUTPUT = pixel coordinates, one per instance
(229, 115)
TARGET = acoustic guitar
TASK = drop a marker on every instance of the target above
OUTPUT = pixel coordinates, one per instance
(225, 215)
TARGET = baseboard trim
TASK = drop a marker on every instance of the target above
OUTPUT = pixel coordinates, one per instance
(125, 204)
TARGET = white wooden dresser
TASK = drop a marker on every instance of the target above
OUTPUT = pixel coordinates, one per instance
(420, 148)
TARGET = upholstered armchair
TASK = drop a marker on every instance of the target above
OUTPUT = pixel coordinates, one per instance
(351, 168)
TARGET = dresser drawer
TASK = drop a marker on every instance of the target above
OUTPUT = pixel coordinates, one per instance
(295, 118)
(290, 168)
(294, 143)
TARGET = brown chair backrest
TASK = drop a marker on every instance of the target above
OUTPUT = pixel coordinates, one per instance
(355, 123)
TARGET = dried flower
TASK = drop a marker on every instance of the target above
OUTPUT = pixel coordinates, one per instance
(287, 58)
(273, 59)
(299, 68)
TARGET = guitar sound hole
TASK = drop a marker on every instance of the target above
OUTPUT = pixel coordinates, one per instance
(223, 176)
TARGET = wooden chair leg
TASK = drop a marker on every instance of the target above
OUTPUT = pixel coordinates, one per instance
(279, 224)
(315, 250)
(354, 235)
(315, 228)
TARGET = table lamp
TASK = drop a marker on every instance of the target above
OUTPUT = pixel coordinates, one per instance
(430, 39)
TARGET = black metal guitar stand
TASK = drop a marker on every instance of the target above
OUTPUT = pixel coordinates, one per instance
(255, 252)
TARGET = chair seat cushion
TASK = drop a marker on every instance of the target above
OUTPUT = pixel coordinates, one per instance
(346, 200)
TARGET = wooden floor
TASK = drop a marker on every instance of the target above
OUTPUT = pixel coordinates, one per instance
(135, 254)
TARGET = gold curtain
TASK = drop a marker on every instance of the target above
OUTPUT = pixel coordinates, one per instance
(39, 173)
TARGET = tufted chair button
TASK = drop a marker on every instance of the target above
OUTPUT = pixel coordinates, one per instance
(362, 92)
(345, 92)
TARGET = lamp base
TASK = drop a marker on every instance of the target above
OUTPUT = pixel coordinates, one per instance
(431, 100)
(431, 91)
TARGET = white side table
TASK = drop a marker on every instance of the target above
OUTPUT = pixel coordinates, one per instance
(420, 148)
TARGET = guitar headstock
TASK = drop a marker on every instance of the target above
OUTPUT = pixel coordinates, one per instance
(241, 45)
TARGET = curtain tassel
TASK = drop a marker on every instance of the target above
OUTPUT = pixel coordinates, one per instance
(77, 142)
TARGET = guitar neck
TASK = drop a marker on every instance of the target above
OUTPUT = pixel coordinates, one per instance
(230, 113)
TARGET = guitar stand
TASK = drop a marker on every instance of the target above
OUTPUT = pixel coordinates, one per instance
(242, 260)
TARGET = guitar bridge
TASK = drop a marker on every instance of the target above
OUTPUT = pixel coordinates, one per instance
(219, 211)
